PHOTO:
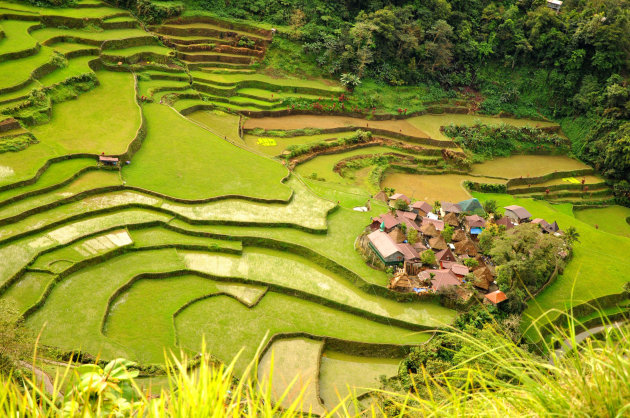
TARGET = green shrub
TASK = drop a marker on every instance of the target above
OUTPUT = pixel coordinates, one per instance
(503, 140)
(17, 143)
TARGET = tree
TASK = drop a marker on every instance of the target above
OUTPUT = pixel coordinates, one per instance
(436, 206)
(571, 235)
(401, 204)
(439, 48)
(447, 233)
(412, 236)
(428, 258)
(490, 206)
(471, 263)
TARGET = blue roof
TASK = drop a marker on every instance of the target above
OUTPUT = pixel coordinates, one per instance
(476, 231)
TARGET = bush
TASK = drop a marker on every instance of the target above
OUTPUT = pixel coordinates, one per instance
(504, 140)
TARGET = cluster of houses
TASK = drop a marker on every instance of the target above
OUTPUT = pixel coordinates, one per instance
(389, 239)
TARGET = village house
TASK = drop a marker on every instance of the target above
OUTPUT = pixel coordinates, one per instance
(506, 222)
(475, 225)
(440, 279)
(438, 243)
(495, 297)
(421, 208)
(458, 235)
(385, 248)
(483, 278)
(518, 214)
(448, 207)
(458, 270)
(452, 220)
(398, 196)
(466, 247)
(385, 222)
(445, 256)
(437, 223)
(546, 227)
(410, 255)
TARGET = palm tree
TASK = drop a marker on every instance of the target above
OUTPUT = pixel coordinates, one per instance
(571, 235)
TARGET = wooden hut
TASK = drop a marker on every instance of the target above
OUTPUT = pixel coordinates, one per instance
(428, 230)
(483, 278)
(397, 235)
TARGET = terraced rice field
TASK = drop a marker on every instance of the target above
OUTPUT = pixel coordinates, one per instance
(201, 233)
(128, 261)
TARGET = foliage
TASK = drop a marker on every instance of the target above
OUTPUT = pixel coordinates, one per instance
(448, 232)
(412, 236)
(152, 11)
(503, 140)
(428, 258)
(471, 263)
(490, 206)
(16, 143)
(358, 137)
(401, 204)
(525, 258)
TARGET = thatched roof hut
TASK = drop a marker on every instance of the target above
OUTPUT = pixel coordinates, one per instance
(397, 235)
(429, 230)
(483, 278)
(451, 219)
(438, 243)
(458, 235)
(466, 247)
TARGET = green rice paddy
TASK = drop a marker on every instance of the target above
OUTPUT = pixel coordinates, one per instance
(202, 230)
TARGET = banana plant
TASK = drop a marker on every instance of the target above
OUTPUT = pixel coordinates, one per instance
(106, 391)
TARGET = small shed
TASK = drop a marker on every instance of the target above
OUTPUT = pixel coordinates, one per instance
(107, 160)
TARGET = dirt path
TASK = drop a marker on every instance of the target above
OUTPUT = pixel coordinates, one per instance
(567, 344)
(327, 122)
(41, 376)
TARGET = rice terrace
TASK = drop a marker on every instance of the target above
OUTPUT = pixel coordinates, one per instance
(191, 183)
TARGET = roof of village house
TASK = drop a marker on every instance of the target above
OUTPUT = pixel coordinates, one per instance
(506, 222)
(496, 297)
(400, 196)
(422, 205)
(475, 221)
(419, 246)
(449, 207)
(429, 229)
(458, 235)
(404, 282)
(519, 211)
(397, 235)
(409, 253)
(108, 159)
(459, 269)
(466, 247)
(383, 243)
(390, 220)
(483, 278)
(409, 223)
(442, 278)
(382, 196)
(404, 214)
(439, 225)
(451, 219)
(438, 243)
(471, 205)
(445, 255)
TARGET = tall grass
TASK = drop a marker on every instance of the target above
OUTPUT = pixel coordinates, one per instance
(589, 379)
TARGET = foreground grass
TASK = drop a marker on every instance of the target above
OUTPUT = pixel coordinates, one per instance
(592, 380)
